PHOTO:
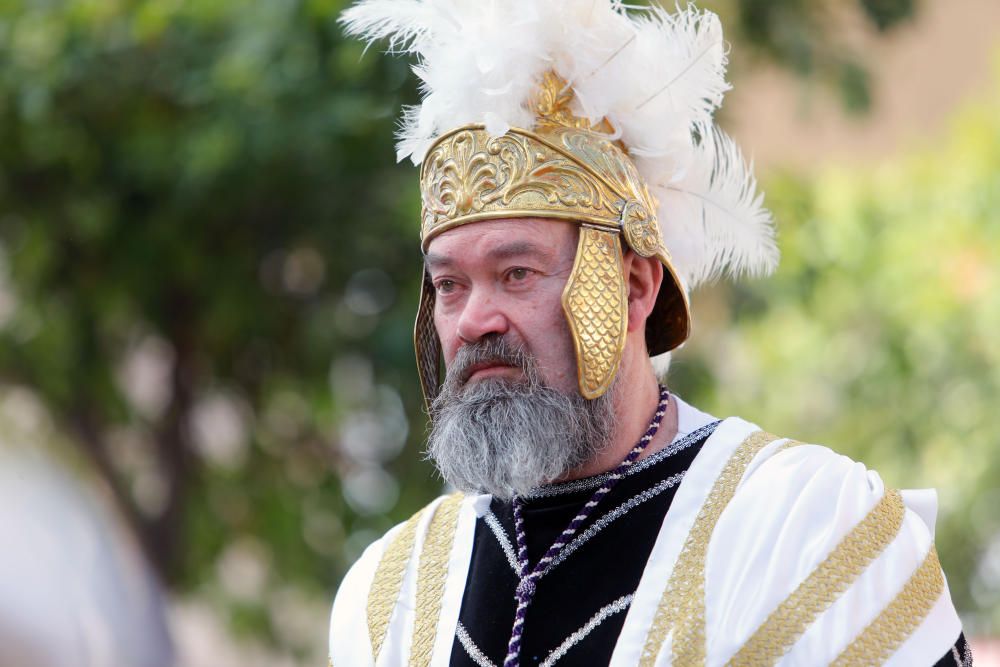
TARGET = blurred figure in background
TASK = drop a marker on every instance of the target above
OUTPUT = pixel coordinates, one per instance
(75, 590)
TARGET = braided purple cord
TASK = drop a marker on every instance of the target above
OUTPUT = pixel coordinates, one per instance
(525, 591)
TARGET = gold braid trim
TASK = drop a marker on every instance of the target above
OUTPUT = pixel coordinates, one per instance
(825, 584)
(388, 581)
(431, 575)
(682, 606)
(898, 620)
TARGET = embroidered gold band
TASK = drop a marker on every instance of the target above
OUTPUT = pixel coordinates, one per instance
(898, 620)
(431, 574)
(824, 584)
(388, 581)
(681, 611)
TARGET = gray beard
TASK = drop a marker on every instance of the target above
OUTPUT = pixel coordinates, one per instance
(506, 437)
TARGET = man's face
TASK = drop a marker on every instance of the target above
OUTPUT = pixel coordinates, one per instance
(505, 278)
(509, 415)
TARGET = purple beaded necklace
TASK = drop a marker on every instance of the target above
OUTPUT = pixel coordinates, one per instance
(526, 588)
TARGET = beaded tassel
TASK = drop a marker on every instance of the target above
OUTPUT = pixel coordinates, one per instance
(526, 587)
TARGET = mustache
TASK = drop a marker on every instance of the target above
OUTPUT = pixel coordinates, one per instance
(491, 349)
(507, 437)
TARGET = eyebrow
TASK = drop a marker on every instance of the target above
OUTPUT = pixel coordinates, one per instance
(432, 260)
(503, 251)
(518, 249)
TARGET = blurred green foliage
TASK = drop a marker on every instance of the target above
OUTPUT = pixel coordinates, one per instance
(208, 272)
(201, 197)
(808, 37)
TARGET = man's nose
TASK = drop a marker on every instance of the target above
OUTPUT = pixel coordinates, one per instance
(482, 315)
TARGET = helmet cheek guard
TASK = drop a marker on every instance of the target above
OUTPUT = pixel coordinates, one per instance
(427, 344)
(596, 305)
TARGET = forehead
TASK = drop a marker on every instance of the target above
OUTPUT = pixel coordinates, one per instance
(507, 236)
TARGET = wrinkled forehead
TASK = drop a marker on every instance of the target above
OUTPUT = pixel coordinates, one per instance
(504, 238)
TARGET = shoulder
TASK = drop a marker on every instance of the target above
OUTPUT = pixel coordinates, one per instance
(826, 545)
(368, 593)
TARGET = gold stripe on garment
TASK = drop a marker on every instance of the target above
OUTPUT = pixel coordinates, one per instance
(681, 610)
(388, 581)
(898, 620)
(431, 574)
(824, 584)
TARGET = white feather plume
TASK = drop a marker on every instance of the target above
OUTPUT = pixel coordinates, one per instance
(404, 23)
(711, 214)
(656, 76)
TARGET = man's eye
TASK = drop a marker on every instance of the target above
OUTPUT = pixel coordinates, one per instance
(445, 286)
(518, 274)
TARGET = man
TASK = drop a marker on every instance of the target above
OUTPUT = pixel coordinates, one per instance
(574, 189)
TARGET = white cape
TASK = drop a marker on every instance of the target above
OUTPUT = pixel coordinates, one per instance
(772, 552)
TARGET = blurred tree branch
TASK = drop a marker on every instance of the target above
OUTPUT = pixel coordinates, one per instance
(807, 38)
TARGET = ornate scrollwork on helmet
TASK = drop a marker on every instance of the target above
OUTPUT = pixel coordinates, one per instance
(458, 175)
(532, 169)
(551, 105)
(469, 176)
(640, 229)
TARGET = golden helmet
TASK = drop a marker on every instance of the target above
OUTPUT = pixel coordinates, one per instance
(582, 111)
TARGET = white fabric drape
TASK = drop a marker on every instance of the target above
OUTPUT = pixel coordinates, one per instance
(791, 508)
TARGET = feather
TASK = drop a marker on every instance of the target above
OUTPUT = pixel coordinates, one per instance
(403, 22)
(712, 216)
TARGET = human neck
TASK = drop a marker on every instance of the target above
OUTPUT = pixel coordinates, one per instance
(634, 409)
